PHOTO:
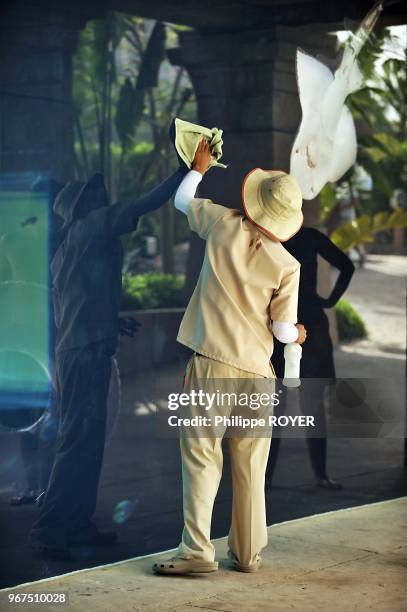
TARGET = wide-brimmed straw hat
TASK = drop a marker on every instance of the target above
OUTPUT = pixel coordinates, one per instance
(272, 200)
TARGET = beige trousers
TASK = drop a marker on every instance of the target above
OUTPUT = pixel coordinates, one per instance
(202, 463)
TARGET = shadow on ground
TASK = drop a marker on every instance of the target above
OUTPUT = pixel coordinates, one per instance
(144, 471)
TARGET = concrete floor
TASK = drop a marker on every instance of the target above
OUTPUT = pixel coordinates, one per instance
(378, 293)
(144, 470)
(353, 559)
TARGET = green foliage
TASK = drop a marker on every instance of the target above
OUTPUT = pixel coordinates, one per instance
(384, 156)
(130, 106)
(125, 92)
(381, 112)
(327, 199)
(350, 325)
(382, 107)
(152, 290)
(129, 111)
(152, 58)
(116, 72)
(364, 228)
(94, 91)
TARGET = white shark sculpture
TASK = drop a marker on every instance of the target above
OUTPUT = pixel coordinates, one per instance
(325, 146)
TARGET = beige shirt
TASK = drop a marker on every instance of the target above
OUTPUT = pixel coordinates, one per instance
(247, 280)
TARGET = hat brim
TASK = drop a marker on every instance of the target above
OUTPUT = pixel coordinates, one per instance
(278, 230)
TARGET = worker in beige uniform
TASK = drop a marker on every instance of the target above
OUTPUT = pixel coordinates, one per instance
(247, 291)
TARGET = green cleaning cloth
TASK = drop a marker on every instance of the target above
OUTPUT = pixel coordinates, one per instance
(188, 136)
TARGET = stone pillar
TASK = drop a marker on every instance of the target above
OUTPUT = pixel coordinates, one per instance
(36, 127)
(245, 83)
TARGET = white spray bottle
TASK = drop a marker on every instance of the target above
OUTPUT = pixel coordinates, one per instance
(292, 358)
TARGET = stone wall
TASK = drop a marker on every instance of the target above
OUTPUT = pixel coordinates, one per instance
(36, 126)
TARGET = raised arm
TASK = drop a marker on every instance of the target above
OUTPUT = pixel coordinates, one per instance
(186, 191)
(337, 258)
(122, 218)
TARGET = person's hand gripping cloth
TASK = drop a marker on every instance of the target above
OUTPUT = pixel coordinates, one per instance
(186, 137)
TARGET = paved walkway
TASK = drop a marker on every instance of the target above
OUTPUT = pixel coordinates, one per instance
(378, 293)
(353, 559)
(141, 472)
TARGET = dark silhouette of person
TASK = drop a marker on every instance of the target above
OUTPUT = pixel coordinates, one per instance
(317, 368)
(86, 284)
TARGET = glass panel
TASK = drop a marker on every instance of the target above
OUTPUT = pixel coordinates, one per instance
(24, 300)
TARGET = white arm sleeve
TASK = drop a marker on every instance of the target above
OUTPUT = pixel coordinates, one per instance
(186, 190)
(285, 332)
